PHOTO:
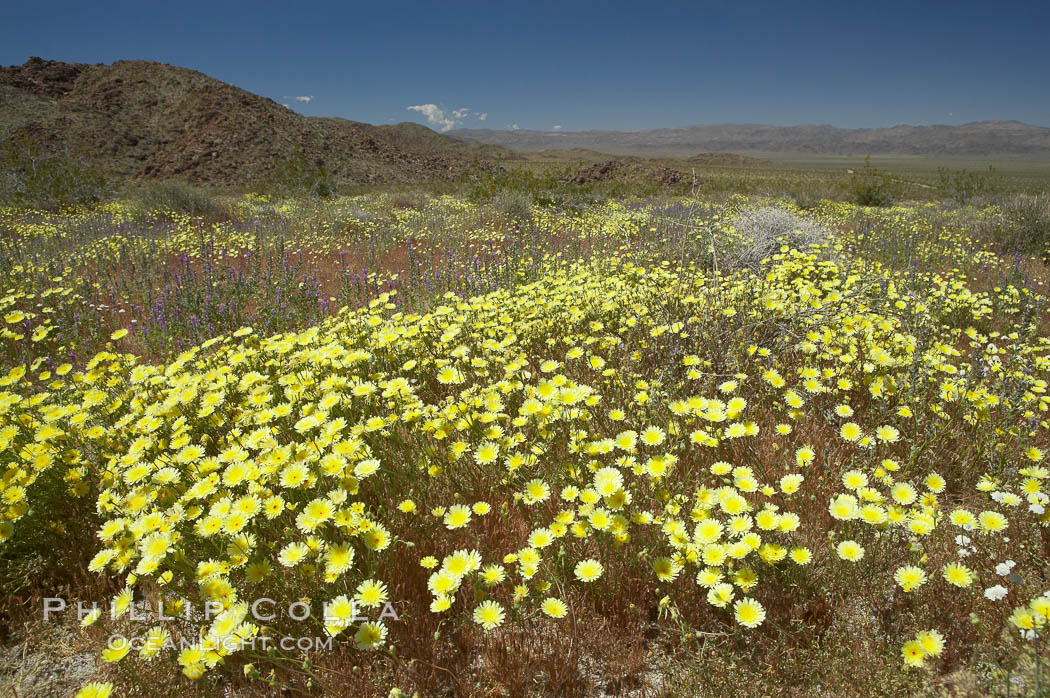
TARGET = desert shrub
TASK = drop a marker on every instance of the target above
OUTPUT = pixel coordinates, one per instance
(408, 199)
(763, 231)
(514, 206)
(1021, 222)
(806, 200)
(297, 176)
(963, 186)
(871, 186)
(806, 191)
(36, 176)
(487, 186)
(547, 189)
(1029, 219)
(179, 197)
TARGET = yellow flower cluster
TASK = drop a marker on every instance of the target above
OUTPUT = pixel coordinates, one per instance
(528, 446)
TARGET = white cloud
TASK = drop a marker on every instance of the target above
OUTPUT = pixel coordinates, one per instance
(445, 121)
(515, 127)
(304, 98)
(435, 115)
(557, 127)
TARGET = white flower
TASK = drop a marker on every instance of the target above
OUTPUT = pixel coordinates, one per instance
(966, 552)
(962, 540)
(1003, 568)
(1036, 508)
(995, 593)
(997, 496)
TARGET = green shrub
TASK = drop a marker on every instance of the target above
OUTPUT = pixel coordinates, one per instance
(179, 197)
(805, 200)
(1021, 224)
(963, 186)
(297, 176)
(514, 206)
(414, 199)
(871, 187)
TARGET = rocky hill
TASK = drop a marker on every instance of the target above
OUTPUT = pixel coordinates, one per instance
(146, 120)
(983, 138)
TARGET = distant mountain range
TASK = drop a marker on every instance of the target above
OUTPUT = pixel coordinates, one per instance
(982, 138)
(146, 120)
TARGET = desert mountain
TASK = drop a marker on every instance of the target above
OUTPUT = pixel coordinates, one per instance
(983, 138)
(140, 119)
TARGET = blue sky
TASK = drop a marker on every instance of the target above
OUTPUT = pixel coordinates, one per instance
(581, 65)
